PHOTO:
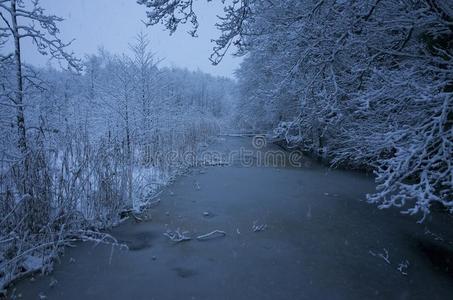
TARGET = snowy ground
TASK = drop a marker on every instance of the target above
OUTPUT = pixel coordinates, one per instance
(292, 233)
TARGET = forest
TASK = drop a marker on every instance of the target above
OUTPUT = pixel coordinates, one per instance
(360, 85)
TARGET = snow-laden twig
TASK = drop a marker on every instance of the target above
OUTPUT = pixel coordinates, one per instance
(258, 227)
(403, 266)
(97, 237)
(151, 202)
(211, 235)
(177, 236)
(435, 236)
(384, 256)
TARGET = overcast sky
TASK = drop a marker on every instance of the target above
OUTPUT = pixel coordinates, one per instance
(113, 24)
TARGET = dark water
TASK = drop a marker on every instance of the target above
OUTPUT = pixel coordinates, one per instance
(318, 243)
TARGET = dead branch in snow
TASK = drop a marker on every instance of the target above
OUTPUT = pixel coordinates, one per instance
(258, 227)
(403, 266)
(178, 236)
(150, 204)
(384, 256)
(211, 235)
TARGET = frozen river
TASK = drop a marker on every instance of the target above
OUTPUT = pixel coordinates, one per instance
(320, 240)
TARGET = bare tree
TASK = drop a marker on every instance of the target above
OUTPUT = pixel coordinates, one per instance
(147, 74)
(27, 19)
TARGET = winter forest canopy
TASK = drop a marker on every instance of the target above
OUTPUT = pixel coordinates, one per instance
(364, 85)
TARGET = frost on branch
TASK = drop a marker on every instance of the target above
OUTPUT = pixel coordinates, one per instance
(211, 235)
(363, 84)
(177, 235)
(171, 13)
(421, 169)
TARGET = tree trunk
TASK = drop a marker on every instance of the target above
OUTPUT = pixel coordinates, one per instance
(129, 153)
(19, 95)
(22, 143)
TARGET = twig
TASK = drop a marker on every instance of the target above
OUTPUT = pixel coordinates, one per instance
(177, 236)
(150, 204)
(384, 256)
(403, 266)
(211, 235)
(258, 228)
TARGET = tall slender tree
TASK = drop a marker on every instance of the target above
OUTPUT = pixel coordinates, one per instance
(22, 19)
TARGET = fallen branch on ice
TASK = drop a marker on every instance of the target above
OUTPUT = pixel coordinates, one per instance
(149, 204)
(258, 227)
(384, 256)
(211, 235)
(403, 266)
(177, 236)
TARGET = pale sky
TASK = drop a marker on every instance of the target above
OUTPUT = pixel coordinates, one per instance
(113, 24)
